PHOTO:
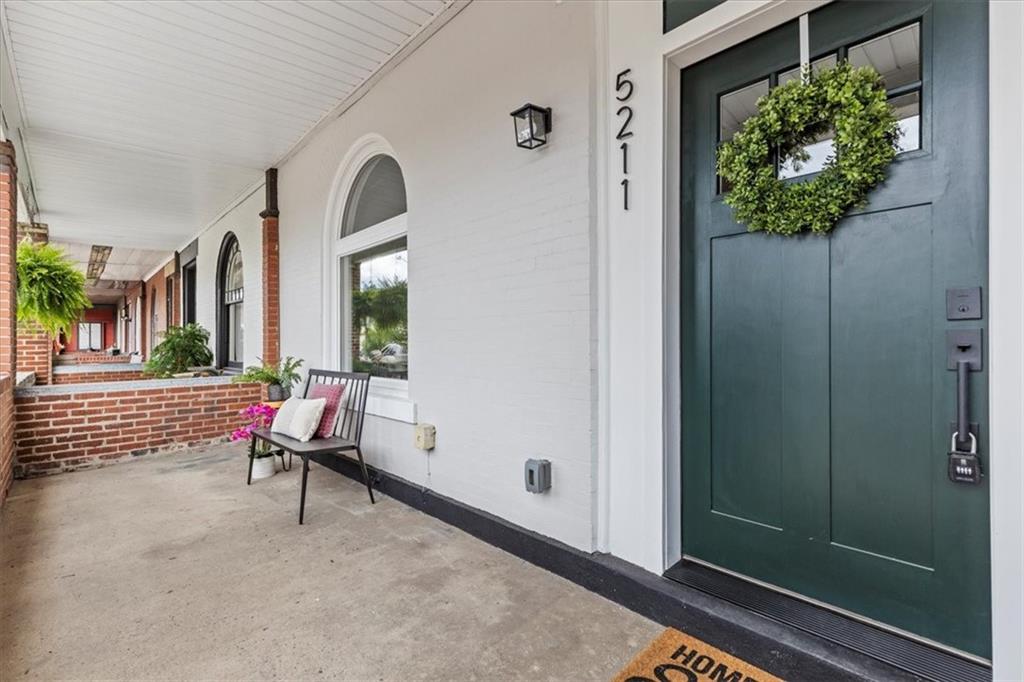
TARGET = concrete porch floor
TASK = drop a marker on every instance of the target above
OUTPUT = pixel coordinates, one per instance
(169, 567)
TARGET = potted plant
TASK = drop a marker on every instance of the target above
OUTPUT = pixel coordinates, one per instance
(182, 349)
(277, 377)
(51, 290)
(256, 417)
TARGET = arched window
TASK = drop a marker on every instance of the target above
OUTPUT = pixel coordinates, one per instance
(372, 258)
(378, 194)
(230, 298)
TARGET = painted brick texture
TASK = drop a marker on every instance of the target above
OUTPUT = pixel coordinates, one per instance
(502, 303)
(35, 353)
(96, 377)
(102, 424)
(6, 434)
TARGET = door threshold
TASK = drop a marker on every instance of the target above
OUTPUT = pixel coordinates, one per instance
(904, 651)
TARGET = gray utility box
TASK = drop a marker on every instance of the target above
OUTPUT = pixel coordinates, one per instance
(537, 475)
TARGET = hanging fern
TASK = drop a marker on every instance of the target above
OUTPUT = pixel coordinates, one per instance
(51, 290)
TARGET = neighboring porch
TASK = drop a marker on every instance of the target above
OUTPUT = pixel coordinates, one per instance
(187, 573)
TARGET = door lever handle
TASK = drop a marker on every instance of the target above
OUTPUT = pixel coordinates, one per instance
(963, 349)
(963, 408)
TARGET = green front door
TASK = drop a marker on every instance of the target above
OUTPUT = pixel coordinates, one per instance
(816, 396)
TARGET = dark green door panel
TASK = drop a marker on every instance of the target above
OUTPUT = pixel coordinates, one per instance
(816, 398)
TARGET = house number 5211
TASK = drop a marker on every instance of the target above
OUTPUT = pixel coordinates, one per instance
(623, 93)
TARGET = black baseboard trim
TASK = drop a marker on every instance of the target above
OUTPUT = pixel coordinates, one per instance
(786, 651)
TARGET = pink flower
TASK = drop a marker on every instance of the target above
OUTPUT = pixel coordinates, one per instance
(258, 416)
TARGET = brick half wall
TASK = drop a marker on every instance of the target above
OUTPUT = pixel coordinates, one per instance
(6, 434)
(35, 353)
(64, 428)
(98, 376)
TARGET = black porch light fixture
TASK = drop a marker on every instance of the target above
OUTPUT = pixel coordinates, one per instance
(533, 124)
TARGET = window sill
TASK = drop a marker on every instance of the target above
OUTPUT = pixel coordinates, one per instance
(389, 399)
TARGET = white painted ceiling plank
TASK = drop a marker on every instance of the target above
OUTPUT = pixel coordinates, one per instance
(134, 75)
(300, 28)
(172, 121)
(201, 59)
(383, 15)
(218, 36)
(149, 89)
(282, 42)
(404, 9)
(341, 19)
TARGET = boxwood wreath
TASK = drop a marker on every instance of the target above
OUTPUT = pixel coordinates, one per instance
(852, 102)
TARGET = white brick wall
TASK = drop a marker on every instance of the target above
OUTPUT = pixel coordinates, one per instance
(499, 258)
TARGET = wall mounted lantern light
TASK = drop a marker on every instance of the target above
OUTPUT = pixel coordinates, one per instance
(533, 124)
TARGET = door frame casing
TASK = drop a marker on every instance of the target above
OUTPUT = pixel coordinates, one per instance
(656, 165)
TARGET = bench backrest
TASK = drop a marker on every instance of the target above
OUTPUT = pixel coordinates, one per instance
(349, 420)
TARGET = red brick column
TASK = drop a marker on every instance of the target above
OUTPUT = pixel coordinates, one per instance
(175, 282)
(8, 258)
(271, 274)
(34, 346)
(8, 310)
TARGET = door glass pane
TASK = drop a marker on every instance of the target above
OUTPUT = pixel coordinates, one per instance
(380, 331)
(733, 109)
(818, 152)
(896, 55)
(816, 66)
(908, 113)
(736, 107)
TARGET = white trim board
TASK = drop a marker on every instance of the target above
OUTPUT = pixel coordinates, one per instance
(1006, 334)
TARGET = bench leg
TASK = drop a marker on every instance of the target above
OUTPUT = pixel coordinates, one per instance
(252, 456)
(366, 476)
(302, 495)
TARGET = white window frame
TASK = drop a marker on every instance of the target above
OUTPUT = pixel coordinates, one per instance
(388, 398)
(91, 327)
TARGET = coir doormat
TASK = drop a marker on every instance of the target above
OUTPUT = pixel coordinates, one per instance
(677, 657)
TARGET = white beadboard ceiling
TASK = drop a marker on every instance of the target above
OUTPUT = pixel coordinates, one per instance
(143, 120)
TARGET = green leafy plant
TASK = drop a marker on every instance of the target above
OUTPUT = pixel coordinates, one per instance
(849, 101)
(182, 348)
(284, 373)
(51, 290)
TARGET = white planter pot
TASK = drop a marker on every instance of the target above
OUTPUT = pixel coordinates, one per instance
(263, 467)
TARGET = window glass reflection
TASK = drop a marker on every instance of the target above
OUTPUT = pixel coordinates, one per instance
(908, 113)
(736, 107)
(896, 55)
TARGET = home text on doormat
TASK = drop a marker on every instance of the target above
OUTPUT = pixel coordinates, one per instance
(677, 657)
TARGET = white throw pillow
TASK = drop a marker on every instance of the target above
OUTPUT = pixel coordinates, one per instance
(299, 418)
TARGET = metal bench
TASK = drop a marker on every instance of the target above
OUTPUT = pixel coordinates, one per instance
(347, 431)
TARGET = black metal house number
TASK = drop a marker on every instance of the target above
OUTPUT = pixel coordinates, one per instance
(624, 91)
